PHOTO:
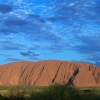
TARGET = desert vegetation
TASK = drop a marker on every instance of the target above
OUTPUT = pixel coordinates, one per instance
(52, 92)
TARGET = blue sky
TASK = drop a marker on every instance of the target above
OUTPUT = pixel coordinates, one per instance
(37, 30)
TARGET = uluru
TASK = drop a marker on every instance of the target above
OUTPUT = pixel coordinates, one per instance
(47, 72)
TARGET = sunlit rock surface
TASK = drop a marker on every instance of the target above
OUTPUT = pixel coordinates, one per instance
(48, 72)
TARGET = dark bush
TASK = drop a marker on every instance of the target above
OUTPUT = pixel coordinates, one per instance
(3, 97)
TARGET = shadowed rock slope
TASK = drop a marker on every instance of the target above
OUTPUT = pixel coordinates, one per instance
(48, 72)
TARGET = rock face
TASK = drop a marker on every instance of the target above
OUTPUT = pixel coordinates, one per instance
(48, 72)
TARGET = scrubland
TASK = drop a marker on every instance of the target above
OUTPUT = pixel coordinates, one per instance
(52, 92)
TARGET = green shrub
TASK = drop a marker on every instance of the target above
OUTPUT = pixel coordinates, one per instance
(56, 92)
(17, 93)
